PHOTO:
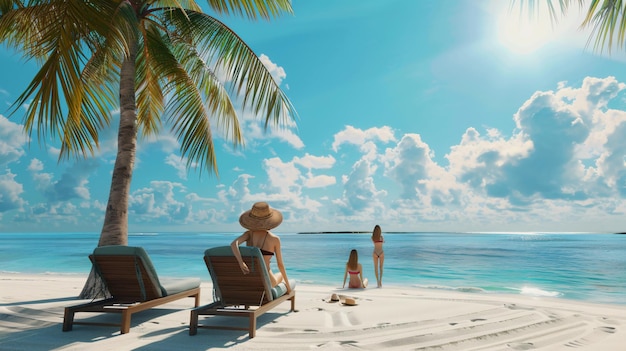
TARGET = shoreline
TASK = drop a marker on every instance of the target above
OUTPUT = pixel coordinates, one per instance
(390, 318)
(205, 278)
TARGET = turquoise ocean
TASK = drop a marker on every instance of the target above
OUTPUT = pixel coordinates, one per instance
(587, 267)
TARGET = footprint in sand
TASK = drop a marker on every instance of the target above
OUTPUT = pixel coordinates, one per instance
(609, 330)
(513, 306)
(333, 345)
(521, 345)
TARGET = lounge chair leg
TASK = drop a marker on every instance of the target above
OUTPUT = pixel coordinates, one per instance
(193, 323)
(125, 328)
(68, 319)
(197, 303)
(293, 303)
(252, 331)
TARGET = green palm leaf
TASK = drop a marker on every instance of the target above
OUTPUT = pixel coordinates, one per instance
(605, 18)
(251, 9)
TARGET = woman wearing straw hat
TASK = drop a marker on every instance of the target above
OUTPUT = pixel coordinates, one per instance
(259, 220)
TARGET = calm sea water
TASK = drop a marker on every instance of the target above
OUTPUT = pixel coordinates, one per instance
(588, 267)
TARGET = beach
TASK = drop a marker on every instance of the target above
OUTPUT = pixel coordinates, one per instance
(394, 317)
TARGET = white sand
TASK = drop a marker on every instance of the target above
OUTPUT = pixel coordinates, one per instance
(390, 318)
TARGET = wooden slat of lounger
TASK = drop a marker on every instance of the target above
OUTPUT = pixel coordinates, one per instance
(237, 288)
(120, 275)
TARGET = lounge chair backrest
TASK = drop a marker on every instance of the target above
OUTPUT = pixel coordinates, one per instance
(231, 286)
(128, 273)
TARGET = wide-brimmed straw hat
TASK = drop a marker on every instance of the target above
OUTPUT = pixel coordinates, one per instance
(349, 301)
(345, 300)
(334, 298)
(261, 216)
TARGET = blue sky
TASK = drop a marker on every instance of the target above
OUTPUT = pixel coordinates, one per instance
(415, 115)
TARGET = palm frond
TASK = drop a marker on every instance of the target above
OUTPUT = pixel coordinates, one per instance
(186, 111)
(533, 8)
(7, 6)
(250, 78)
(62, 34)
(150, 97)
(59, 76)
(180, 4)
(218, 101)
(606, 18)
(252, 9)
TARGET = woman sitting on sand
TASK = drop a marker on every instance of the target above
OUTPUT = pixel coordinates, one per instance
(259, 220)
(355, 270)
(378, 255)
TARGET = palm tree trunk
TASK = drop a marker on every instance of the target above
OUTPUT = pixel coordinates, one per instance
(115, 227)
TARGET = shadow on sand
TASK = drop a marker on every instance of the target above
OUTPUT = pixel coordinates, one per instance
(26, 328)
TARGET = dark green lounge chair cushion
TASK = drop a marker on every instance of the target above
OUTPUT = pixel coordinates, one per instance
(281, 289)
(175, 285)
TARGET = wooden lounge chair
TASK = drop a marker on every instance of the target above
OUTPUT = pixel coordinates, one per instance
(239, 295)
(133, 284)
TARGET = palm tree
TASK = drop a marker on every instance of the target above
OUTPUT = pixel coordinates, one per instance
(605, 18)
(163, 58)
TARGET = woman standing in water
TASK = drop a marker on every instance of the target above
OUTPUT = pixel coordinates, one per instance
(378, 255)
(355, 270)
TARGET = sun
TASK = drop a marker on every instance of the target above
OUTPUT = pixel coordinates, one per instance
(524, 34)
